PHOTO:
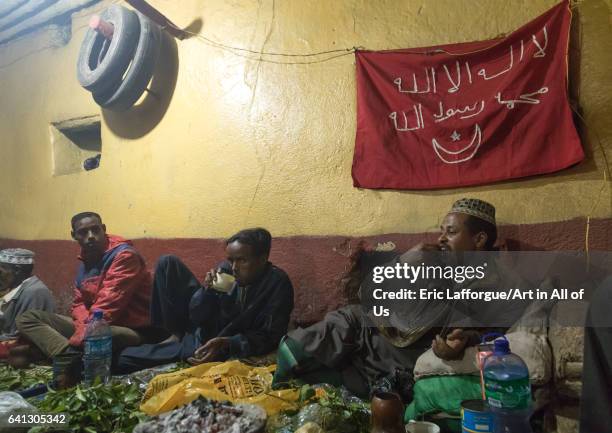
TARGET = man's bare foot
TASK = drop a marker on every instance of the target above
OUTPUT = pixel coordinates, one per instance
(172, 339)
(18, 361)
(23, 355)
(20, 350)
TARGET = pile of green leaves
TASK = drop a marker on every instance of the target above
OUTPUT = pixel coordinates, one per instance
(12, 379)
(331, 408)
(111, 408)
(101, 408)
(346, 416)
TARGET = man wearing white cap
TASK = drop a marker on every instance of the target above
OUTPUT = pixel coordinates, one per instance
(348, 348)
(20, 291)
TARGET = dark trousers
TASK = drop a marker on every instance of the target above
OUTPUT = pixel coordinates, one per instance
(596, 403)
(173, 286)
(346, 341)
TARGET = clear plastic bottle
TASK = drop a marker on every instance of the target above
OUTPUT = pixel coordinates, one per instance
(507, 389)
(98, 347)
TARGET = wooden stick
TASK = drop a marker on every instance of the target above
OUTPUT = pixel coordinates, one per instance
(156, 16)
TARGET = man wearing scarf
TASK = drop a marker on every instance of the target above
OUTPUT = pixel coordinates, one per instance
(596, 401)
(207, 323)
(353, 348)
(20, 290)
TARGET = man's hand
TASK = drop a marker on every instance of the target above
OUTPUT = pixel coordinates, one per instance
(210, 278)
(452, 348)
(76, 340)
(213, 350)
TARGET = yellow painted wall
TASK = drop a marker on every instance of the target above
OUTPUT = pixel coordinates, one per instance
(245, 143)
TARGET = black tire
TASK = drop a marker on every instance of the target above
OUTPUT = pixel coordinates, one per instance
(125, 93)
(98, 76)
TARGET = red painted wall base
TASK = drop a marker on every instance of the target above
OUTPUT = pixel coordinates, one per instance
(315, 264)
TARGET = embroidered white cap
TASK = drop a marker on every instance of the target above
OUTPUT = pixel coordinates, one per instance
(17, 256)
(475, 207)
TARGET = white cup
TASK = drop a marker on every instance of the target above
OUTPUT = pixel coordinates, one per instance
(223, 282)
(422, 427)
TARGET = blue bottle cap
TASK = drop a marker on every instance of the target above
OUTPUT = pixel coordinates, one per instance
(501, 347)
(98, 314)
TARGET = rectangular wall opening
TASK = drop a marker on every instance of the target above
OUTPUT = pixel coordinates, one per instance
(77, 145)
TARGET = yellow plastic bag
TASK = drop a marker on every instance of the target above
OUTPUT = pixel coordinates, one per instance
(232, 381)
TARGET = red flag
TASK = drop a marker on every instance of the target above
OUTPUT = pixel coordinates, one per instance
(466, 114)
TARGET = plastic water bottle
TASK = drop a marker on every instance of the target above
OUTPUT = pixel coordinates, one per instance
(507, 389)
(98, 349)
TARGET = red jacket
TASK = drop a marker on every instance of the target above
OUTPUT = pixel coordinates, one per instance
(119, 285)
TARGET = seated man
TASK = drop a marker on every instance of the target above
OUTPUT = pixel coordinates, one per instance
(596, 402)
(20, 290)
(209, 325)
(348, 348)
(112, 277)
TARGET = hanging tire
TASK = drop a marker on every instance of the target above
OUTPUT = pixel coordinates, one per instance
(102, 64)
(126, 92)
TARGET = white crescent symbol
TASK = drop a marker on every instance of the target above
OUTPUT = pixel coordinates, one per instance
(477, 135)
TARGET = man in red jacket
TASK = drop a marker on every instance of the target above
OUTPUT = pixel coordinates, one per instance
(112, 277)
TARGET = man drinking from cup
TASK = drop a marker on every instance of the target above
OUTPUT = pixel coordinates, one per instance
(241, 310)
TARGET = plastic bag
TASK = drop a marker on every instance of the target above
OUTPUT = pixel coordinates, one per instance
(143, 377)
(310, 427)
(312, 413)
(203, 415)
(230, 381)
(12, 403)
